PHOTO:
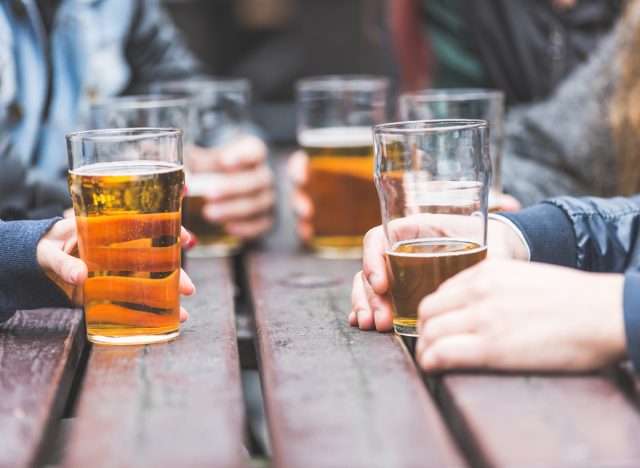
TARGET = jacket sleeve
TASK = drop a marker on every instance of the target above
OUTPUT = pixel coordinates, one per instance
(23, 285)
(592, 234)
(562, 145)
(156, 49)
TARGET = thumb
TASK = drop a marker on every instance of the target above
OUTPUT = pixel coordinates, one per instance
(69, 269)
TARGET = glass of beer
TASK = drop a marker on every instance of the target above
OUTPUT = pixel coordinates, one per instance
(335, 116)
(220, 110)
(126, 186)
(463, 103)
(433, 181)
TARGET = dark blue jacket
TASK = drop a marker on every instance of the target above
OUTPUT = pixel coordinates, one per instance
(23, 285)
(592, 234)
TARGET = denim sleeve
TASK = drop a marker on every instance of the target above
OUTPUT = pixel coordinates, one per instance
(23, 285)
(548, 232)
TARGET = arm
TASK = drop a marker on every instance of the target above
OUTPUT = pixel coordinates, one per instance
(23, 284)
(156, 49)
(563, 145)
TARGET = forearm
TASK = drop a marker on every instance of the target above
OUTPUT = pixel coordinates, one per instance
(23, 285)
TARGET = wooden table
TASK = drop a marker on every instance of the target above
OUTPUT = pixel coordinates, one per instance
(334, 396)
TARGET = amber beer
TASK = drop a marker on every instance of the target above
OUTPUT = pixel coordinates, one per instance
(128, 216)
(419, 266)
(212, 238)
(341, 187)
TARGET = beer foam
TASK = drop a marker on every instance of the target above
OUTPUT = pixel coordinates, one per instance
(336, 137)
(123, 168)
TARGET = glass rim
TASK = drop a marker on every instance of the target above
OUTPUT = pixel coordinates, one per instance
(429, 126)
(142, 101)
(353, 82)
(123, 134)
(204, 84)
(453, 94)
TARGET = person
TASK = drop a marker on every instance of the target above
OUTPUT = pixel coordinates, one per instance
(575, 307)
(523, 48)
(37, 268)
(58, 56)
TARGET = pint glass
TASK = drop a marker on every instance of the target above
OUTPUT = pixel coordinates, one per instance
(126, 186)
(433, 181)
(463, 103)
(335, 115)
(219, 113)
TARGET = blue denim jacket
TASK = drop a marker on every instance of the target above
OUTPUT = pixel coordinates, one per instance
(96, 48)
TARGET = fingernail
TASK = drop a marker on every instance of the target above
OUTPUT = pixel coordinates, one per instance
(75, 274)
(427, 361)
(377, 316)
(373, 281)
(214, 212)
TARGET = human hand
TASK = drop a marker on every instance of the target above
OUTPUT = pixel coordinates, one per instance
(243, 197)
(508, 315)
(371, 306)
(55, 255)
(297, 171)
(504, 202)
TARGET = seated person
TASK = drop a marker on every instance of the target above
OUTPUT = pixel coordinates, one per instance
(56, 57)
(576, 309)
(37, 270)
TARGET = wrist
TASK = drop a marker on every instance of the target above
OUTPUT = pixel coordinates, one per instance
(505, 235)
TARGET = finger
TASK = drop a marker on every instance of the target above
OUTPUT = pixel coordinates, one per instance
(184, 315)
(359, 301)
(250, 229)
(353, 321)
(305, 231)
(298, 167)
(453, 352)
(302, 204)
(452, 323)
(241, 183)
(374, 264)
(186, 286)
(68, 213)
(456, 293)
(508, 203)
(187, 238)
(239, 208)
(70, 269)
(381, 306)
(244, 152)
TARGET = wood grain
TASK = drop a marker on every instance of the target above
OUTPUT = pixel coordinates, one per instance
(336, 396)
(39, 353)
(568, 421)
(170, 404)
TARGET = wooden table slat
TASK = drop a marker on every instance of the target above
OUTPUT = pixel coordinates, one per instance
(564, 421)
(39, 353)
(336, 396)
(170, 404)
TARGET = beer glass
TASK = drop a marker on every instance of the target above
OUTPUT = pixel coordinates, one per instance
(126, 186)
(219, 113)
(463, 103)
(335, 115)
(433, 181)
(152, 110)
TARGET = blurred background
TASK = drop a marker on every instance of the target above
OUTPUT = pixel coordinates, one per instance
(275, 42)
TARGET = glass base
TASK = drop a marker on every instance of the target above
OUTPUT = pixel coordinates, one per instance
(213, 250)
(405, 330)
(336, 247)
(133, 339)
